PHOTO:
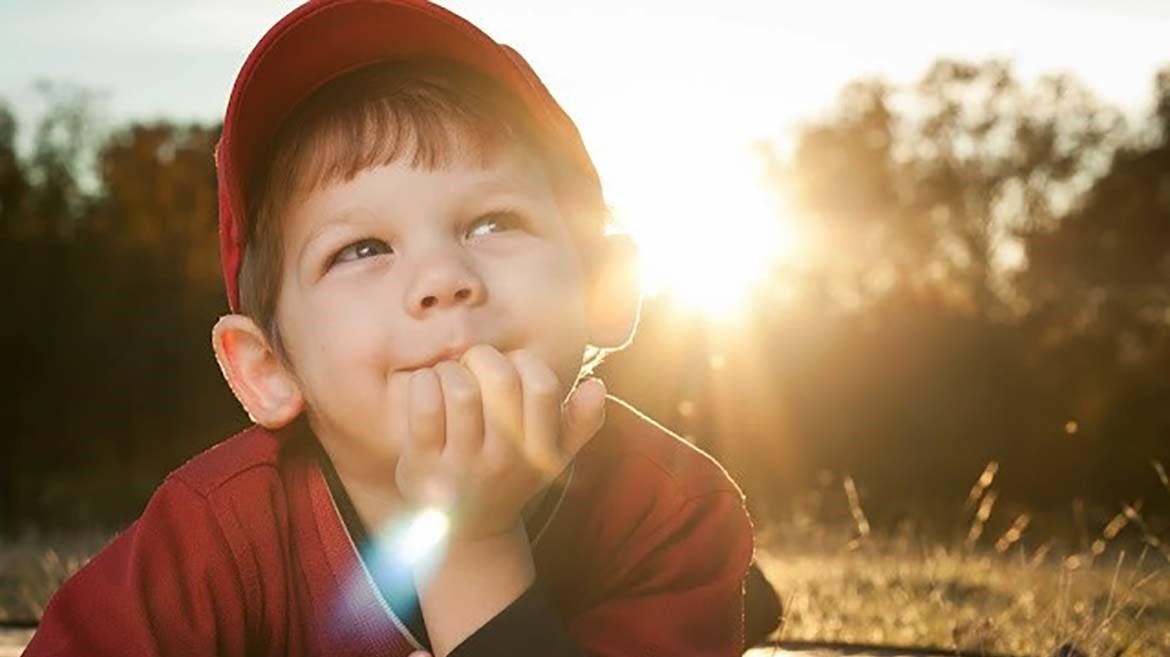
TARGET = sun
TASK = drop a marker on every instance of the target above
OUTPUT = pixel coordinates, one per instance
(706, 244)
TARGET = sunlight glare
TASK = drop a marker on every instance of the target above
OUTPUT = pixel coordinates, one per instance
(706, 244)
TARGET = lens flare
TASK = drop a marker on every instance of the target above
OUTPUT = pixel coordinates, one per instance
(423, 535)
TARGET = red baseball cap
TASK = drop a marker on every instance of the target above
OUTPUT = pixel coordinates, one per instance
(323, 39)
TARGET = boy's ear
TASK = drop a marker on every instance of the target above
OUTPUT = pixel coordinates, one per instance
(615, 291)
(267, 389)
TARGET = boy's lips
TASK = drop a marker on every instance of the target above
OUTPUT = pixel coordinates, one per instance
(505, 343)
(450, 353)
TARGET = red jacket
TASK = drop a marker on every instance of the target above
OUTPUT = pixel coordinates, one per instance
(641, 550)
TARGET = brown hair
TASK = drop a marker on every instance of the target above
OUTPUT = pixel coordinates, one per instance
(427, 110)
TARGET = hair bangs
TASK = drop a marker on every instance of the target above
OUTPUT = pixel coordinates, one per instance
(424, 131)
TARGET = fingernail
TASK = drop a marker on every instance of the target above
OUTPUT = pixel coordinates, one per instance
(597, 389)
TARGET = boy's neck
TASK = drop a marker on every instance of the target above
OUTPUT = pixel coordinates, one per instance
(377, 502)
(372, 492)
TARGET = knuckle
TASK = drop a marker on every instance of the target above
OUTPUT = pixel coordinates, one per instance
(428, 407)
(493, 368)
(501, 444)
(479, 352)
(539, 380)
(505, 378)
(463, 394)
(499, 464)
(543, 384)
(423, 399)
(459, 386)
(492, 464)
(543, 456)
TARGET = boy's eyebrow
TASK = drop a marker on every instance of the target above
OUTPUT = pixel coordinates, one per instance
(343, 218)
(506, 188)
(512, 181)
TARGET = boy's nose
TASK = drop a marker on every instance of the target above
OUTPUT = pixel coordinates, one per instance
(444, 281)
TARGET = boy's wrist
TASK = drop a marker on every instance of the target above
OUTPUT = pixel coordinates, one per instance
(511, 535)
(504, 552)
(471, 581)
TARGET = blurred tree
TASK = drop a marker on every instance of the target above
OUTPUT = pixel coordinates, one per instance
(110, 381)
(922, 187)
(13, 178)
(1104, 269)
(159, 184)
(924, 325)
(1098, 282)
(62, 157)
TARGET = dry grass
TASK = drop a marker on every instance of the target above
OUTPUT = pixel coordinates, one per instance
(33, 565)
(980, 591)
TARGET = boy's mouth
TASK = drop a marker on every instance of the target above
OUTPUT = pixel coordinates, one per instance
(450, 353)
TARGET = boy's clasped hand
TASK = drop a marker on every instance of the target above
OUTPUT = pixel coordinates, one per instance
(482, 435)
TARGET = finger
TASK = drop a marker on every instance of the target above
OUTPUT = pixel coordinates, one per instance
(426, 415)
(501, 391)
(542, 411)
(582, 417)
(398, 409)
(464, 418)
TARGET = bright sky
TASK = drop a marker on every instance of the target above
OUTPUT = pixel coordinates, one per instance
(667, 94)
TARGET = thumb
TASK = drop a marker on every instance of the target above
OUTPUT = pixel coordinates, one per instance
(583, 415)
(420, 653)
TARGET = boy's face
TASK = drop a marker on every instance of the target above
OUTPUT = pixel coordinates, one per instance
(401, 267)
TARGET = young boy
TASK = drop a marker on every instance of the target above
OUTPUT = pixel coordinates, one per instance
(426, 472)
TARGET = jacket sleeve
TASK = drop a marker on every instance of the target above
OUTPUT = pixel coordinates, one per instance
(683, 593)
(168, 585)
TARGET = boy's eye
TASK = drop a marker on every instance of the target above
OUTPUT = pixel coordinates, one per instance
(361, 249)
(496, 222)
